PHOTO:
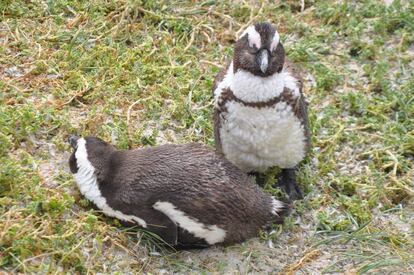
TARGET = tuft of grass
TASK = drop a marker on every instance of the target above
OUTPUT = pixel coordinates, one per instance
(140, 73)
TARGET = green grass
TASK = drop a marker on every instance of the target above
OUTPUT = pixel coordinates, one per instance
(140, 73)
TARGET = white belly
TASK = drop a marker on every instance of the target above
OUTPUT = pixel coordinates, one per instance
(255, 139)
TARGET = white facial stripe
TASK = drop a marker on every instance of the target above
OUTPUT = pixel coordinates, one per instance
(275, 41)
(88, 185)
(211, 233)
(253, 37)
(82, 156)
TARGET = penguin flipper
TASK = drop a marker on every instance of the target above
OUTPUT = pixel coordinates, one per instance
(186, 240)
(161, 225)
(217, 126)
(301, 105)
(216, 116)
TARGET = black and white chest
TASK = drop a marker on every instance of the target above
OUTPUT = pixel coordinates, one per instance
(258, 125)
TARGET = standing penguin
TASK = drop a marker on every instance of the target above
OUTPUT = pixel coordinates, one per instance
(260, 118)
(187, 194)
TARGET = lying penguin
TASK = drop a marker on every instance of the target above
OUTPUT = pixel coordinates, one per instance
(187, 194)
(261, 117)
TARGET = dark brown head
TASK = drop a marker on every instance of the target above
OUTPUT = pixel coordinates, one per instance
(259, 51)
(90, 153)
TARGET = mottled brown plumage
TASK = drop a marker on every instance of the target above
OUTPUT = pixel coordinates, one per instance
(244, 59)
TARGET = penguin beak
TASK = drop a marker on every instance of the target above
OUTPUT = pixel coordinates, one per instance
(73, 141)
(263, 60)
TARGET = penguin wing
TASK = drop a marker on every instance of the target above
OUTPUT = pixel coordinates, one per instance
(134, 209)
(294, 71)
(158, 223)
(301, 111)
(301, 105)
(216, 116)
(220, 76)
(217, 126)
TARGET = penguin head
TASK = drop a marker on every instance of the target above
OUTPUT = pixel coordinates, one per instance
(259, 51)
(91, 153)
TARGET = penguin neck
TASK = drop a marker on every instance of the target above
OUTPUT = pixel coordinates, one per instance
(90, 174)
(252, 88)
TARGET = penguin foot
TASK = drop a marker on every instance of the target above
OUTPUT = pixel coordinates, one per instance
(287, 182)
(259, 178)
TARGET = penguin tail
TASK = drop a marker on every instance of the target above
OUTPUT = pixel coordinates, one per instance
(280, 210)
